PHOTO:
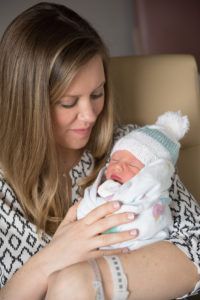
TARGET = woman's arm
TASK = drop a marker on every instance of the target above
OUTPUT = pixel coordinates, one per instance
(157, 271)
(29, 282)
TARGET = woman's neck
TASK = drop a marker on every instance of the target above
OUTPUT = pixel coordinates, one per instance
(69, 158)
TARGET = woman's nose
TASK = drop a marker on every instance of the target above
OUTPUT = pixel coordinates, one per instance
(87, 113)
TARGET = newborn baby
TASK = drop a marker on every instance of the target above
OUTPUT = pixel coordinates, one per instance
(139, 175)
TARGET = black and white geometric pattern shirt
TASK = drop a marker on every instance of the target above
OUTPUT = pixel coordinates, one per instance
(19, 240)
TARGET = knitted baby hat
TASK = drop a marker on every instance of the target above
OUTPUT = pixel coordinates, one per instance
(160, 140)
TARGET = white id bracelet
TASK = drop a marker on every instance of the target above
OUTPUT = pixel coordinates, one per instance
(120, 284)
(97, 283)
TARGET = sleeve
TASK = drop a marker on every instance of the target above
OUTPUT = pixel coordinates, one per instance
(19, 239)
(185, 231)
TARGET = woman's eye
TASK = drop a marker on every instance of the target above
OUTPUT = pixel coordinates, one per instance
(68, 104)
(97, 96)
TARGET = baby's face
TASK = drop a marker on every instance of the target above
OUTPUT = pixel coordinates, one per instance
(123, 166)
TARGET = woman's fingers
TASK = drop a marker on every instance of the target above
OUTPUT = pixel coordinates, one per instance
(101, 211)
(104, 240)
(111, 221)
(71, 215)
(105, 252)
(88, 231)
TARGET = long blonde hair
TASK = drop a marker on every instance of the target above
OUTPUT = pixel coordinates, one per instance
(41, 51)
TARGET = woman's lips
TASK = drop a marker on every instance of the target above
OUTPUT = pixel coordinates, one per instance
(82, 132)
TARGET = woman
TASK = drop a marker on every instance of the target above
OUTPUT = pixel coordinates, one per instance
(56, 129)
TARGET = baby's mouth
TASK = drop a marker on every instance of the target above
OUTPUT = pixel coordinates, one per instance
(116, 178)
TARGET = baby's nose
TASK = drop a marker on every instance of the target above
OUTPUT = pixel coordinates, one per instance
(119, 167)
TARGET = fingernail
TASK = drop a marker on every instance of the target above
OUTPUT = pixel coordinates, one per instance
(134, 232)
(125, 250)
(116, 204)
(130, 216)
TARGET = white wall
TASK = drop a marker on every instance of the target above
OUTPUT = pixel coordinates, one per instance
(113, 19)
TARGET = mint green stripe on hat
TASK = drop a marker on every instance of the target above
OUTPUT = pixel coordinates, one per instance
(171, 147)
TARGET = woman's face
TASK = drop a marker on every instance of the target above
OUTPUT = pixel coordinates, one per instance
(76, 113)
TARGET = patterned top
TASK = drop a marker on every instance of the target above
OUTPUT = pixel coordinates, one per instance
(19, 240)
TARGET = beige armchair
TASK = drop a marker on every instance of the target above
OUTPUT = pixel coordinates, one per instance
(146, 86)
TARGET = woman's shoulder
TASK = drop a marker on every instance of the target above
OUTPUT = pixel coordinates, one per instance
(185, 208)
(19, 239)
(7, 195)
(12, 213)
(122, 130)
(185, 231)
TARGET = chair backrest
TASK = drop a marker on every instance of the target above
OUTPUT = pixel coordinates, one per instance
(147, 86)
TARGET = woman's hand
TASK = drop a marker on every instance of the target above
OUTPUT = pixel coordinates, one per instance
(76, 241)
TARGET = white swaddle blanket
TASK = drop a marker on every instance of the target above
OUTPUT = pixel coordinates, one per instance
(146, 194)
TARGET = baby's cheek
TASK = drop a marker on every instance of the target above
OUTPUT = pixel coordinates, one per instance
(107, 173)
(128, 175)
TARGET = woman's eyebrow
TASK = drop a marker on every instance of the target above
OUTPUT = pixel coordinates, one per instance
(101, 85)
(74, 96)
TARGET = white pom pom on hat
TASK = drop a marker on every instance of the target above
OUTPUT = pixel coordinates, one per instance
(160, 140)
(174, 124)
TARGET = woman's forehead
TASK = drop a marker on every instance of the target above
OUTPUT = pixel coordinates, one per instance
(89, 77)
